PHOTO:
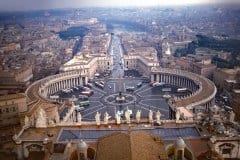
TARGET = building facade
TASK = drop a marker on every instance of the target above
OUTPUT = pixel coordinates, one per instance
(205, 70)
(11, 106)
(140, 63)
(89, 64)
(220, 75)
(236, 104)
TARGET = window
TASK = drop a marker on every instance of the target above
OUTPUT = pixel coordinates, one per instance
(226, 151)
(179, 155)
(226, 148)
(7, 110)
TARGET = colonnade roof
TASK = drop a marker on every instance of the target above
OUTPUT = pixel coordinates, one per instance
(32, 91)
(208, 89)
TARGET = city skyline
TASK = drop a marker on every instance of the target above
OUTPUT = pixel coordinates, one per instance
(25, 5)
(114, 80)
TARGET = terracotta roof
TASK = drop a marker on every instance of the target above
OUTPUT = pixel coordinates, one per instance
(130, 146)
(198, 146)
(114, 146)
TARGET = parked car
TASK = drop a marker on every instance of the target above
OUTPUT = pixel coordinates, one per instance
(139, 84)
(130, 88)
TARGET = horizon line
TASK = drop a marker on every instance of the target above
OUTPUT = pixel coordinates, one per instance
(120, 7)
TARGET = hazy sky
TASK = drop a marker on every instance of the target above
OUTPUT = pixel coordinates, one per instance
(46, 4)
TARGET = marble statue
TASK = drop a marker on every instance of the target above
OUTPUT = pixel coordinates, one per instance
(138, 116)
(106, 118)
(118, 119)
(232, 116)
(79, 118)
(150, 116)
(97, 118)
(158, 117)
(57, 117)
(127, 116)
(177, 115)
(41, 121)
(26, 121)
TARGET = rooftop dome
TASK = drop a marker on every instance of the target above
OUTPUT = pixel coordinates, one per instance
(180, 143)
(82, 146)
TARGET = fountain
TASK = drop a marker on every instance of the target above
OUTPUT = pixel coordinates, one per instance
(120, 98)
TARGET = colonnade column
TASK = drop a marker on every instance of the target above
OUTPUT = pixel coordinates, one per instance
(152, 77)
(158, 79)
(86, 80)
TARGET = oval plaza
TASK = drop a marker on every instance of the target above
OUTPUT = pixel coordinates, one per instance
(202, 90)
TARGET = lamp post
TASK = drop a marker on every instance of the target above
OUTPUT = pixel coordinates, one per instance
(134, 107)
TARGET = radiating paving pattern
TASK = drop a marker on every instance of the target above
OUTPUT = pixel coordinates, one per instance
(144, 98)
(93, 135)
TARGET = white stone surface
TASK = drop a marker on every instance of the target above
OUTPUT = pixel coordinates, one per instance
(106, 118)
(127, 116)
(26, 121)
(177, 115)
(79, 118)
(150, 116)
(138, 116)
(97, 118)
(41, 121)
(118, 119)
(158, 117)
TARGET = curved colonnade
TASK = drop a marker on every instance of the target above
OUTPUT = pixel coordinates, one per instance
(43, 88)
(203, 90)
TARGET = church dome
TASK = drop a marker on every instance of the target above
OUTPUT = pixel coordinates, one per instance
(82, 146)
(180, 143)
